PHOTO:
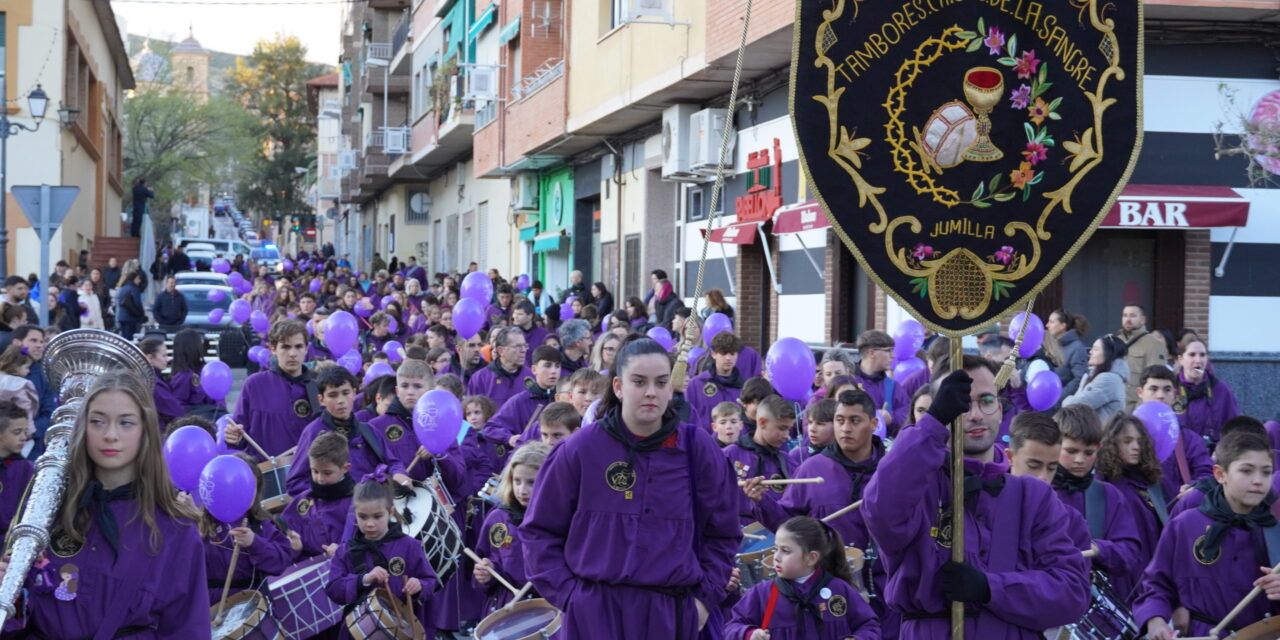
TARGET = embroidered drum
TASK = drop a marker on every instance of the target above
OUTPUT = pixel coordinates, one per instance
(298, 600)
(527, 620)
(377, 617)
(427, 517)
(245, 617)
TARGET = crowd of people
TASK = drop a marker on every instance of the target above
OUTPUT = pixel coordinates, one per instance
(620, 483)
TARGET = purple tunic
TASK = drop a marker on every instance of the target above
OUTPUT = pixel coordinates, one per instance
(14, 476)
(402, 553)
(1199, 465)
(497, 383)
(499, 542)
(750, 460)
(1141, 505)
(274, 411)
(1119, 548)
(269, 555)
(185, 386)
(913, 382)
(798, 455)
(318, 522)
(1019, 539)
(168, 406)
(368, 449)
(604, 545)
(1205, 407)
(1176, 579)
(519, 417)
(396, 427)
(317, 351)
(164, 591)
(706, 390)
(898, 403)
(856, 619)
(459, 600)
(749, 363)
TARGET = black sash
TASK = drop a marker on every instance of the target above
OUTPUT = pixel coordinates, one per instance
(1095, 509)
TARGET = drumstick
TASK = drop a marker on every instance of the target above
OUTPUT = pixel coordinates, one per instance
(1089, 553)
(496, 576)
(754, 536)
(413, 464)
(782, 481)
(841, 512)
(1217, 631)
(226, 584)
(254, 444)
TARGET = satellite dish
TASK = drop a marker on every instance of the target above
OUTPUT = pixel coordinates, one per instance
(420, 203)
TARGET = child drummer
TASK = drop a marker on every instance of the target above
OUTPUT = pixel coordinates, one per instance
(319, 515)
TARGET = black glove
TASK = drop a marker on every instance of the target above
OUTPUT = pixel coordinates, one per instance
(961, 582)
(952, 399)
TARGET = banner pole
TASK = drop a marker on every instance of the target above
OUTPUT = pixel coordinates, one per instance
(957, 491)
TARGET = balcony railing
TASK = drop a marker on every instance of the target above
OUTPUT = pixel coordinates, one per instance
(389, 140)
(538, 78)
(401, 34)
(381, 50)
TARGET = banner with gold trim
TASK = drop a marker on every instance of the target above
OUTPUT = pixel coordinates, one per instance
(964, 150)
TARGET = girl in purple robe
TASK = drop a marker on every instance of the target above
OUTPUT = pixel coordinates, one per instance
(262, 541)
(499, 542)
(632, 527)
(379, 555)
(1127, 460)
(1204, 402)
(125, 557)
(15, 470)
(817, 602)
(168, 406)
(184, 374)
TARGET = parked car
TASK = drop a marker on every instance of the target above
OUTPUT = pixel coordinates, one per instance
(268, 256)
(228, 248)
(201, 277)
(199, 306)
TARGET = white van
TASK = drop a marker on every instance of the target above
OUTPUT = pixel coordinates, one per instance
(228, 248)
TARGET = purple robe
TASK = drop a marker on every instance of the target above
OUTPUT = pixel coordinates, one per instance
(164, 591)
(518, 417)
(368, 449)
(534, 337)
(168, 406)
(1176, 579)
(912, 383)
(749, 363)
(366, 415)
(499, 542)
(459, 600)
(318, 351)
(706, 390)
(1195, 497)
(798, 455)
(269, 555)
(405, 553)
(1199, 465)
(318, 522)
(1018, 538)
(1119, 548)
(749, 460)
(856, 619)
(274, 411)
(14, 476)
(497, 383)
(1205, 407)
(602, 544)
(185, 386)
(898, 403)
(1141, 505)
(396, 427)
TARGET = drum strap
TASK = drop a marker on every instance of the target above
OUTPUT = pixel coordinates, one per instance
(1180, 453)
(1095, 508)
(1271, 535)
(770, 606)
(1156, 493)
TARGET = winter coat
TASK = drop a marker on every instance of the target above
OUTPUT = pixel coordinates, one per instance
(1075, 361)
(1104, 392)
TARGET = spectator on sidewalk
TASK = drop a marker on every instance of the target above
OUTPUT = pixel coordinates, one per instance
(132, 314)
(170, 307)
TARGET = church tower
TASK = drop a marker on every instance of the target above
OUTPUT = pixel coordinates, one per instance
(189, 66)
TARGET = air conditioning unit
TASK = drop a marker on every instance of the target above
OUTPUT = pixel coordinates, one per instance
(482, 81)
(347, 160)
(706, 129)
(675, 142)
(650, 11)
(527, 192)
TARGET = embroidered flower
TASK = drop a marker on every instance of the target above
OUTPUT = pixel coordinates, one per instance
(1005, 255)
(1038, 111)
(1021, 97)
(1035, 152)
(1026, 66)
(1022, 175)
(922, 251)
(994, 41)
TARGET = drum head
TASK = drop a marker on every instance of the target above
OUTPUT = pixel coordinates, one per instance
(244, 612)
(854, 557)
(752, 548)
(1268, 629)
(526, 620)
(377, 617)
(415, 510)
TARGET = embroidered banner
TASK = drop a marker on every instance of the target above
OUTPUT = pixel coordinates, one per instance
(984, 139)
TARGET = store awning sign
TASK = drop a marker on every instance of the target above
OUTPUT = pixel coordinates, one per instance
(802, 217)
(741, 233)
(964, 150)
(1161, 206)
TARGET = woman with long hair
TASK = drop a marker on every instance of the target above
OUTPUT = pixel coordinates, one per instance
(605, 352)
(603, 299)
(1204, 403)
(184, 373)
(1127, 459)
(716, 304)
(639, 314)
(1069, 329)
(1103, 389)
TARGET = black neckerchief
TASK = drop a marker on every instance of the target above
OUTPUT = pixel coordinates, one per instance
(350, 428)
(336, 491)
(859, 472)
(515, 513)
(345, 427)
(315, 342)
(612, 425)
(974, 483)
(537, 393)
(1064, 480)
(303, 377)
(746, 441)
(496, 367)
(733, 380)
(101, 499)
(398, 410)
(1209, 546)
(1135, 473)
(879, 377)
(360, 547)
(804, 602)
(571, 365)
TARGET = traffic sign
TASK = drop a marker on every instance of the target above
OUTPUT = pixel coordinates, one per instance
(311, 232)
(45, 208)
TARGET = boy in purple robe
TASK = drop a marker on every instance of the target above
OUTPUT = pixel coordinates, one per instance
(376, 398)
(316, 348)
(819, 431)
(893, 402)
(1210, 558)
(523, 315)
(1022, 573)
(558, 421)
(726, 423)
(631, 529)
(1194, 497)
(499, 312)
(1204, 402)
(721, 383)
(318, 516)
(413, 379)
(1190, 461)
(517, 420)
(378, 335)
(369, 448)
(276, 405)
(262, 542)
(17, 470)
(758, 453)
(505, 376)
(1111, 527)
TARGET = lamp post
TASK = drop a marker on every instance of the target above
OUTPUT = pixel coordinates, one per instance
(37, 103)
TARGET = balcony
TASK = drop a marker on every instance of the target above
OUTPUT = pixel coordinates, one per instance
(537, 79)
(379, 50)
(401, 34)
(390, 140)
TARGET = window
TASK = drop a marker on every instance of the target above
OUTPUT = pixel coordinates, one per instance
(609, 268)
(191, 76)
(391, 235)
(613, 14)
(631, 268)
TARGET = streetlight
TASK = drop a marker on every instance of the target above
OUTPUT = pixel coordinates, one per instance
(37, 103)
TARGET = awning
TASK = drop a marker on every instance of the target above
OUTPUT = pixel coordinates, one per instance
(549, 241)
(741, 233)
(1168, 206)
(510, 31)
(527, 234)
(800, 217)
(482, 21)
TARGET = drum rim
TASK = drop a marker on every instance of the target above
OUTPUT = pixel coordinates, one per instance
(523, 605)
(261, 613)
(379, 609)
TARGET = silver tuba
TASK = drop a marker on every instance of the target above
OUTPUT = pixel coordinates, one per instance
(72, 360)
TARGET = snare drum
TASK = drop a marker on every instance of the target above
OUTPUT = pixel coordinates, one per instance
(527, 620)
(245, 617)
(427, 517)
(1265, 629)
(298, 600)
(274, 473)
(1107, 618)
(489, 492)
(377, 617)
(757, 545)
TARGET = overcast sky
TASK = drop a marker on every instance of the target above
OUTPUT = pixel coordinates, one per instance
(235, 29)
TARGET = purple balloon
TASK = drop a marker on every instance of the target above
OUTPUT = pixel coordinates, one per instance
(523, 282)
(216, 295)
(393, 325)
(240, 311)
(221, 265)
(478, 287)
(1044, 390)
(259, 321)
(364, 308)
(340, 332)
(715, 323)
(315, 285)
(907, 367)
(393, 349)
(187, 450)
(385, 300)
(215, 316)
(311, 327)
(235, 280)
(468, 317)
(662, 336)
(288, 264)
(436, 420)
(255, 351)
(377, 370)
(245, 287)
(351, 361)
(566, 311)
(227, 488)
(907, 339)
(1034, 336)
(216, 379)
(791, 366)
(1162, 425)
